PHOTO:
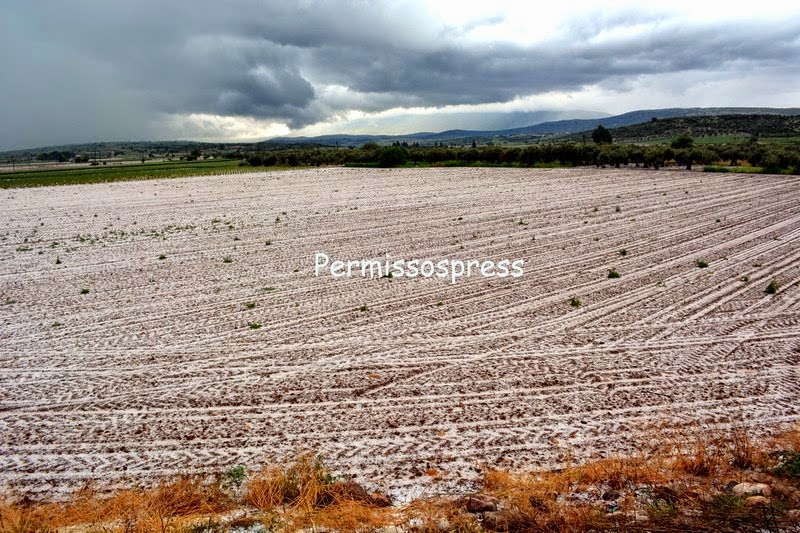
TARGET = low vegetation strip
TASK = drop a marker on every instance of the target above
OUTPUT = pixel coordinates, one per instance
(695, 480)
(739, 154)
(127, 172)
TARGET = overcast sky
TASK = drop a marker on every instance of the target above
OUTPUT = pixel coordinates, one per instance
(83, 71)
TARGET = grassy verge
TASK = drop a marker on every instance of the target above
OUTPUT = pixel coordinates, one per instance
(749, 170)
(722, 482)
(70, 176)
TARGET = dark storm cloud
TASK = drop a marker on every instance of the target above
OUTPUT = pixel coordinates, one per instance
(98, 67)
(481, 74)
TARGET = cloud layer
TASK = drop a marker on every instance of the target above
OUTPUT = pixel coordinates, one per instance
(92, 70)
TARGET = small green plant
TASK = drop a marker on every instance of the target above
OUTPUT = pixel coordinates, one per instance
(277, 220)
(789, 466)
(227, 259)
(254, 325)
(744, 279)
(269, 243)
(250, 305)
(522, 223)
(662, 509)
(23, 249)
(574, 302)
(56, 325)
(9, 301)
(162, 257)
(84, 291)
(439, 303)
(296, 270)
(206, 526)
(623, 252)
(726, 504)
(701, 263)
(237, 239)
(772, 288)
(269, 289)
(617, 209)
(58, 260)
(234, 477)
(613, 274)
(363, 308)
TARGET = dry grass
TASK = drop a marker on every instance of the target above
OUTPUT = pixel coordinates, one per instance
(156, 509)
(681, 485)
(350, 516)
(304, 485)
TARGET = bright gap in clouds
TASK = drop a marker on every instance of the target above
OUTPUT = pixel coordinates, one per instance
(216, 128)
(535, 22)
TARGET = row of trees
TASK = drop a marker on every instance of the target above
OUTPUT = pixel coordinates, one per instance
(681, 152)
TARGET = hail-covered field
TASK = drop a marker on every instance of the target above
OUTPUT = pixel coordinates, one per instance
(130, 345)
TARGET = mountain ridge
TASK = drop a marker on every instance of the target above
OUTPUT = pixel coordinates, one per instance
(556, 129)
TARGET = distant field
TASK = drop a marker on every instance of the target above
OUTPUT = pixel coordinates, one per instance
(155, 327)
(68, 176)
(712, 139)
(720, 139)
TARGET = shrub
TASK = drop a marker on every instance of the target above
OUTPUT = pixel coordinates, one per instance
(574, 302)
(612, 273)
(601, 135)
(682, 141)
(772, 288)
(391, 156)
(254, 325)
(84, 291)
(623, 252)
(701, 263)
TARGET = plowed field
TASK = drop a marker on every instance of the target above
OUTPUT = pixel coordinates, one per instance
(159, 367)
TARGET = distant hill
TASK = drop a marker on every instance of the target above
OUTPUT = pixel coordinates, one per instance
(762, 125)
(543, 129)
(727, 120)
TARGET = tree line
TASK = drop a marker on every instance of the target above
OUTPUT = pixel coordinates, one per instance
(771, 157)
